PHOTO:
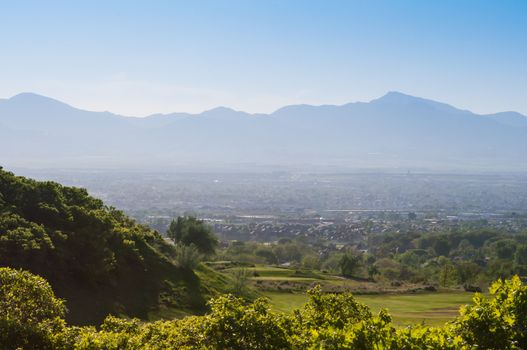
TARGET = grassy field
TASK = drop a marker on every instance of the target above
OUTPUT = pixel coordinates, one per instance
(430, 308)
(281, 273)
(282, 280)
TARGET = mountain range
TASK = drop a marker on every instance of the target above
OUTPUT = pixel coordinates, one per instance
(393, 131)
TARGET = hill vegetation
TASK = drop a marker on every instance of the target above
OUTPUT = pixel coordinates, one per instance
(95, 257)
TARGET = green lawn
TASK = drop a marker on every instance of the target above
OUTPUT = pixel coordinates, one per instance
(431, 308)
(285, 302)
(279, 273)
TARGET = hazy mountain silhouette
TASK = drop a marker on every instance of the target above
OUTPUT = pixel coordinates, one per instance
(510, 118)
(396, 130)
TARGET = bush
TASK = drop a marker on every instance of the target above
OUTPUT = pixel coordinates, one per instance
(31, 318)
(499, 322)
(29, 311)
(240, 282)
(187, 256)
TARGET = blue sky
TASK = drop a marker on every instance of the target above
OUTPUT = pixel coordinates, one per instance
(142, 57)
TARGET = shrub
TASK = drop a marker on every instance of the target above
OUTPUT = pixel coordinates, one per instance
(499, 322)
(240, 281)
(29, 311)
(187, 256)
(31, 318)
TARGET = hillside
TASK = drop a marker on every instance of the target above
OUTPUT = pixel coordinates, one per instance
(97, 259)
(393, 131)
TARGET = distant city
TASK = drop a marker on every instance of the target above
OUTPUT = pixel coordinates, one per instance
(339, 208)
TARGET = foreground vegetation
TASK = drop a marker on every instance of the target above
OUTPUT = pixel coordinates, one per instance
(32, 318)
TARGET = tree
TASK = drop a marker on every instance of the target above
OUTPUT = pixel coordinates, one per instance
(447, 275)
(467, 271)
(505, 248)
(349, 264)
(464, 250)
(442, 246)
(267, 254)
(188, 230)
(520, 259)
(373, 271)
(311, 262)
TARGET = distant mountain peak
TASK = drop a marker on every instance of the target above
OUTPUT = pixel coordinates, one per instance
(30, 96)
(397, 97)
(33, 99)
(397, 94)
(223, 113)
(219, 110)
(514, 119)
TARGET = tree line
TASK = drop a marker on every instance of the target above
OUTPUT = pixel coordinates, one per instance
(467, 257)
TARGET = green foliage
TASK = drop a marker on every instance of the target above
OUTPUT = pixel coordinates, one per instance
(234, 325)
(188, 230)
(332, 263)
(240, 279)
(29, 311)
(504, 248)
(90, 253)
(267, 254)
(373, 271)
(27, 298)
(520, 259)
(311, 262)
(448, 274)
(499, 322)
(467, 271)
(187, 256)
(473, 256)
(331, 310)
(349, 263)
(294, 252)
(288, 251)
(442, 246)
(31, 317)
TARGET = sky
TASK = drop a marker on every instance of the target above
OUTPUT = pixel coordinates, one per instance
(142, 57)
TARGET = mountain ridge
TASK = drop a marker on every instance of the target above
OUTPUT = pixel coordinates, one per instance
(391, 97)
(400, 129)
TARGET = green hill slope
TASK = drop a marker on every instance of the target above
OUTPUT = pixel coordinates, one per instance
(95, 257)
